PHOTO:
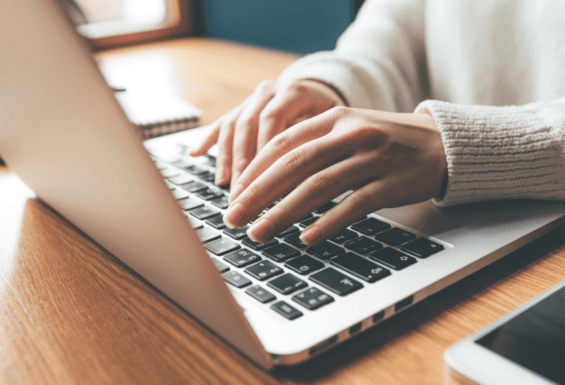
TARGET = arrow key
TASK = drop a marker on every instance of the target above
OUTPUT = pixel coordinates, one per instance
(312, 298)
(336, 282)
(360, 267)
(325, 250)
(392, 258)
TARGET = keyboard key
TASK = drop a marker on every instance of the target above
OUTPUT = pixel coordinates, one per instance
(259, 246)
(209, 194)
(242, 258)
(370, 226)
(217, 222)
(264, 270)
(290, 230)
(260, 294)
(325, 207)
(286, 310)
(360, 267)
(312, 298)
(392, 258)
(204, 212)
(287, 283)
(210, 160)
(222, 267)
(422, 248)
(395, 237)
(190, 203)
(304, 265)
(207, 176)
(181, 179)
(221, 202)
(222, 246)
(281, 252)
(336, 282)
(363, 245)
(236, 279)
(308, 222)
(169, 172)
(206, 235)
(181, 163)
(179, 194)
(193, 187)
(343, 236)
(306, 217)
(195, 223)
(195, 170)
(295, 241)
(325, 250)
(237, 234)
(160, 165)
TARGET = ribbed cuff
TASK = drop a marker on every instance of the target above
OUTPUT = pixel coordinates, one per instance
(492, 153)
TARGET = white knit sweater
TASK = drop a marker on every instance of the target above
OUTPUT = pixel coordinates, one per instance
(494, 74)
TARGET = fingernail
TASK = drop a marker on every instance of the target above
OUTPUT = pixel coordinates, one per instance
(234, 215)
(260, 230)
(238, 189)
(310, 235)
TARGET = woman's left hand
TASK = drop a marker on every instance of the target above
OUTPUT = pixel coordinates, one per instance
(387, 159)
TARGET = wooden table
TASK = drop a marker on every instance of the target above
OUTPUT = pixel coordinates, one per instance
(72, 313)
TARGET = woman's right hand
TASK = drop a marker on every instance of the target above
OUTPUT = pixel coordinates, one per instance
(269, 110)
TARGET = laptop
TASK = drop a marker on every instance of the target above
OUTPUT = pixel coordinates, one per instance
(156, 209)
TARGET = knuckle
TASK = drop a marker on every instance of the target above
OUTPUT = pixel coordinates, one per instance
(291, 160)
(265, 86)
(254, 194)
(360, 200)
(268, 115)
(296, 87)
(279, 142)
(243, 123)
(318, 182)
(339, 112)
(241, 162)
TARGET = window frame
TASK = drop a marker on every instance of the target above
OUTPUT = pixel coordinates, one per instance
(177, 22)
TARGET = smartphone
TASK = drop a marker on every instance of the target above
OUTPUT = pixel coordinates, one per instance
(527, 346)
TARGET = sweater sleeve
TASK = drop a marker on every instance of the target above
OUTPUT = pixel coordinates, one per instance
(513, 152)
(378, 62)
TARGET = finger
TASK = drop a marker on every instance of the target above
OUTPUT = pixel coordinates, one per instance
(286, 173)
(311, 194)
(224, 159)
(367, 199)
(287, 105)
(225, 139)
(247, 125)
(283, 144)
(204, 147)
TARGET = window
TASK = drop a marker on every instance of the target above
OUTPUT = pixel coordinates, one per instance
(109, 23)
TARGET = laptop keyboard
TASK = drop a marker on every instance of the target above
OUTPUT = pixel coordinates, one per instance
(283, 272)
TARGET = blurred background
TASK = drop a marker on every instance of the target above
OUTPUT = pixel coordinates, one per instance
(300, 26)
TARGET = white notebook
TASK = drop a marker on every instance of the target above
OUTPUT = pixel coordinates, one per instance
(157, 111)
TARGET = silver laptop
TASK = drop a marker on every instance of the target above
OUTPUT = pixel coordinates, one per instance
(63, 132)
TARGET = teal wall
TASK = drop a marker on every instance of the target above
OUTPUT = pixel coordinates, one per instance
(300, 26)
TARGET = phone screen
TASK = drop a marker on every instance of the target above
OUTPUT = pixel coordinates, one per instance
(535, 338)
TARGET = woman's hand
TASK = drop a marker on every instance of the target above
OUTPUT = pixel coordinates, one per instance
(271, 109)
(387, 159)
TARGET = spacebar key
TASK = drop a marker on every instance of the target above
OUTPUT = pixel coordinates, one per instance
(336, 282)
